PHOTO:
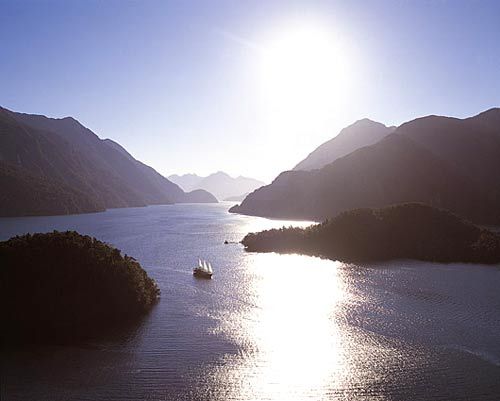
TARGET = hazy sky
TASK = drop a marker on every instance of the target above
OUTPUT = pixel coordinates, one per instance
(248, 87)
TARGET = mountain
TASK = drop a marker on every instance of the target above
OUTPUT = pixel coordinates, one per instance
(162, 184)
(186, 181)
(237, 198)
(447, 163)
(24, 193)
(58, 166)
(362, 133)
(220, 184)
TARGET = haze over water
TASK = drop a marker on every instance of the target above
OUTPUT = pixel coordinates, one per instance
(268, 326)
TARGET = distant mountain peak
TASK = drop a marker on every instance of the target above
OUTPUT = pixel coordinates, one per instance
(365, 121)
(361, 133)
(220, 183)
(220, 173)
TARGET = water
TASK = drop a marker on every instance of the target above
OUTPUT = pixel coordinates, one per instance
(269, 327)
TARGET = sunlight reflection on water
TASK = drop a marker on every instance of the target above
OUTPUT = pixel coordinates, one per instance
(292, 334)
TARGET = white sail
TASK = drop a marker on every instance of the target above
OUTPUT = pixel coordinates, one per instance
(199, 263)
(205, 267)
(210, 267)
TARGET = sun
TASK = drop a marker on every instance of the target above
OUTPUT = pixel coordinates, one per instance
(304, 71)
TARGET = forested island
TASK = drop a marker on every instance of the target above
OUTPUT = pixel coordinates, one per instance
(63, 286)
(405, 231)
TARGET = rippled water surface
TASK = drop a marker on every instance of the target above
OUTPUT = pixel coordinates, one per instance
(268, 326)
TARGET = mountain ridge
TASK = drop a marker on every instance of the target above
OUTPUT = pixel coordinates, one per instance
(444, 162)
(221, 184)
(66, 155)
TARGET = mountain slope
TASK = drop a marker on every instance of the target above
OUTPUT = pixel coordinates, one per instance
(362, 133)
(24, 193)
(160, 184)
(471, 145)
(423, 161)
(70, 156)
(220, 184)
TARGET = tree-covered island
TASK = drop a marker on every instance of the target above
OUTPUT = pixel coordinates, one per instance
(406, 231)
(63, 286)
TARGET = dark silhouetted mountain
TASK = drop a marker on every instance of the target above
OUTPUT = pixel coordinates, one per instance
(471, 146)
(220, 184)
(444, 162)
(64, 154)
(362, 133)
(407, 231)
(24, 193)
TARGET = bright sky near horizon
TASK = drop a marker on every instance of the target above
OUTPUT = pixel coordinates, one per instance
(248, 87)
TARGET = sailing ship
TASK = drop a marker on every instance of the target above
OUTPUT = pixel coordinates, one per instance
(203, 270)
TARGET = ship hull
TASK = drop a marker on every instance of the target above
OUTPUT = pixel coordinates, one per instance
(201, 274)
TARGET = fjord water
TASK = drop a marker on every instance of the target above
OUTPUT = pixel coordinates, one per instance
(268, 326)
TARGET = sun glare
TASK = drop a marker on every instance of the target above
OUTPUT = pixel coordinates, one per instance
(304, 70)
